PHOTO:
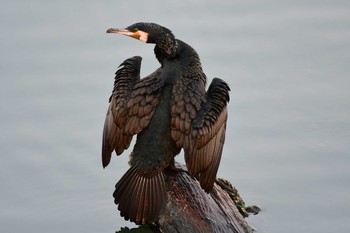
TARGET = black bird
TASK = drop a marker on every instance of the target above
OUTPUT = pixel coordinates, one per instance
(169, 110)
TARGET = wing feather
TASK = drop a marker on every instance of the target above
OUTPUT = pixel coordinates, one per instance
(131, 107)
(203, 141)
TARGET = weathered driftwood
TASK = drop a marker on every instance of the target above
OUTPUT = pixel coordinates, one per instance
(190, 209)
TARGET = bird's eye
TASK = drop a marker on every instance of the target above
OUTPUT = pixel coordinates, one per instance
(134, 29)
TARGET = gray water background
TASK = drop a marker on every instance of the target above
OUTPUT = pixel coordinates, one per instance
(288, 141)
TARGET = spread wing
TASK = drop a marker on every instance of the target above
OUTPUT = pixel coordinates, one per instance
(199, 126)
(131, 107)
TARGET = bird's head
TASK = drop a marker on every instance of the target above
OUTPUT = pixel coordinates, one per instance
(165, 41)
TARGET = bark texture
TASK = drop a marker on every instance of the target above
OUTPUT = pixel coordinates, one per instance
(190, 209)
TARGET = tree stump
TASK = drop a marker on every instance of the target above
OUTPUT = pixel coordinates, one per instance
(190, 210)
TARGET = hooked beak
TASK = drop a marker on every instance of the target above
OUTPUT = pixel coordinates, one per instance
(139, 35)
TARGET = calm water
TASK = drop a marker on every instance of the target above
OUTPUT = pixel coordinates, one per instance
(287, 149)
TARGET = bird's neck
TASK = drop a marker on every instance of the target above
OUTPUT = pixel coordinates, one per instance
(166, 48)
(185, 59)
(164, 53)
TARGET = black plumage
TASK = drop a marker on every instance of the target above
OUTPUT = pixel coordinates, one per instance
(168, 110)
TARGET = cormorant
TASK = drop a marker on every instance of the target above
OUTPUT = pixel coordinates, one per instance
(169, 110)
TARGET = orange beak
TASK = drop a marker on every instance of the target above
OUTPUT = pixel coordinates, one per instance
(139, 35)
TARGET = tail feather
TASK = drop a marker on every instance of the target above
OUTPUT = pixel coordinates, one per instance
(140, 198)
(138, 201)
(123, 185)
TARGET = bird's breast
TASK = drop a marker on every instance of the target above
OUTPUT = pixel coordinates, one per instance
(154, 148)
(172, 72)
